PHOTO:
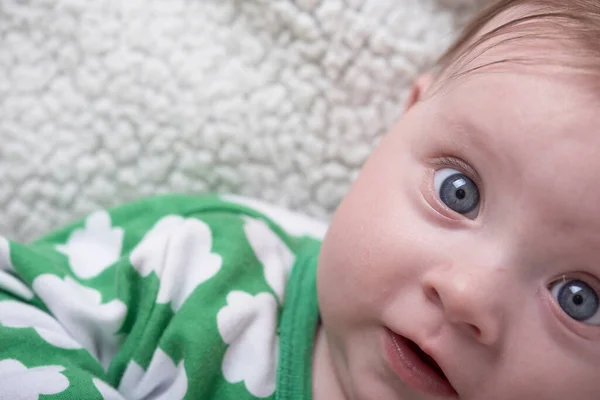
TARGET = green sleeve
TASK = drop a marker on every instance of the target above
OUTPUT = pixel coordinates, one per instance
(174, 297)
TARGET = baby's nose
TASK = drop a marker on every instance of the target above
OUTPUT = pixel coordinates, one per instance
(469, 299)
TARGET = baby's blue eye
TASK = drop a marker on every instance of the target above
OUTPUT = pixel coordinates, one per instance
(577, 299)
(457, 191)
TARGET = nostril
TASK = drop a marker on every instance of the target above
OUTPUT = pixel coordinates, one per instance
(463, 305)
(475, 330)
(432, 294)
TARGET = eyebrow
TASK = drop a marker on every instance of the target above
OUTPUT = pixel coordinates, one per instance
(463, 130)
(464, 127)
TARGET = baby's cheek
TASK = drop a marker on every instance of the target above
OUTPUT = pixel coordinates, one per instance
(374, 246)
(342, 287)
(360, 271)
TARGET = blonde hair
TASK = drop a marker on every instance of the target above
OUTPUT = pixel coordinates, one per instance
(575, 23)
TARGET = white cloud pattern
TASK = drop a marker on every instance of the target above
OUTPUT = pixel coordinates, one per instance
(14, 314)
(8, 282)
(178, 250)
(276, 258)
(107, 391)
(293, 223)
(163, 380)
(5, 263)
(248, 325)
(19, 382)
(79, 310)
(95, 247)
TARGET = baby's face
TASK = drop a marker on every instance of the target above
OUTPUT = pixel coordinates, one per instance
(474, 232)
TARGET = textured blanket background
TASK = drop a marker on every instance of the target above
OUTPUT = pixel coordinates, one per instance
(109, 100)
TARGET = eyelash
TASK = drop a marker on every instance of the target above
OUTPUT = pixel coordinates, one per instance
(590, 280)
(588, 332)
(462, 166)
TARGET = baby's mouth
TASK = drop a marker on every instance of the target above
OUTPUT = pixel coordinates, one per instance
(426, 358)
(417, 368)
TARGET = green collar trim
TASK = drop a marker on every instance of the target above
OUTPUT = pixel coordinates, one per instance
(298, 327)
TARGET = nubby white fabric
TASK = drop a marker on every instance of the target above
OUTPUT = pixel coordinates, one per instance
(106, 101)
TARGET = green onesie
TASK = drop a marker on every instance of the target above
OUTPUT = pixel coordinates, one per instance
(173, 297)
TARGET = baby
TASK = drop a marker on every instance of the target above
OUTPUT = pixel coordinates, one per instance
(463, 263)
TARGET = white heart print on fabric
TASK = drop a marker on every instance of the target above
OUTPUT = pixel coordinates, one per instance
(178, 250)
(163, 380)
(9, 282)
(248, 325)
(14, 314)
(92, 324)
(95, 247)
(19, 382)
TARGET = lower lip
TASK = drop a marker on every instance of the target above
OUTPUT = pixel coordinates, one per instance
(413, 370)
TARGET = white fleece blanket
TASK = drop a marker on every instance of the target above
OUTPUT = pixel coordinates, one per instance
(110, 100)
